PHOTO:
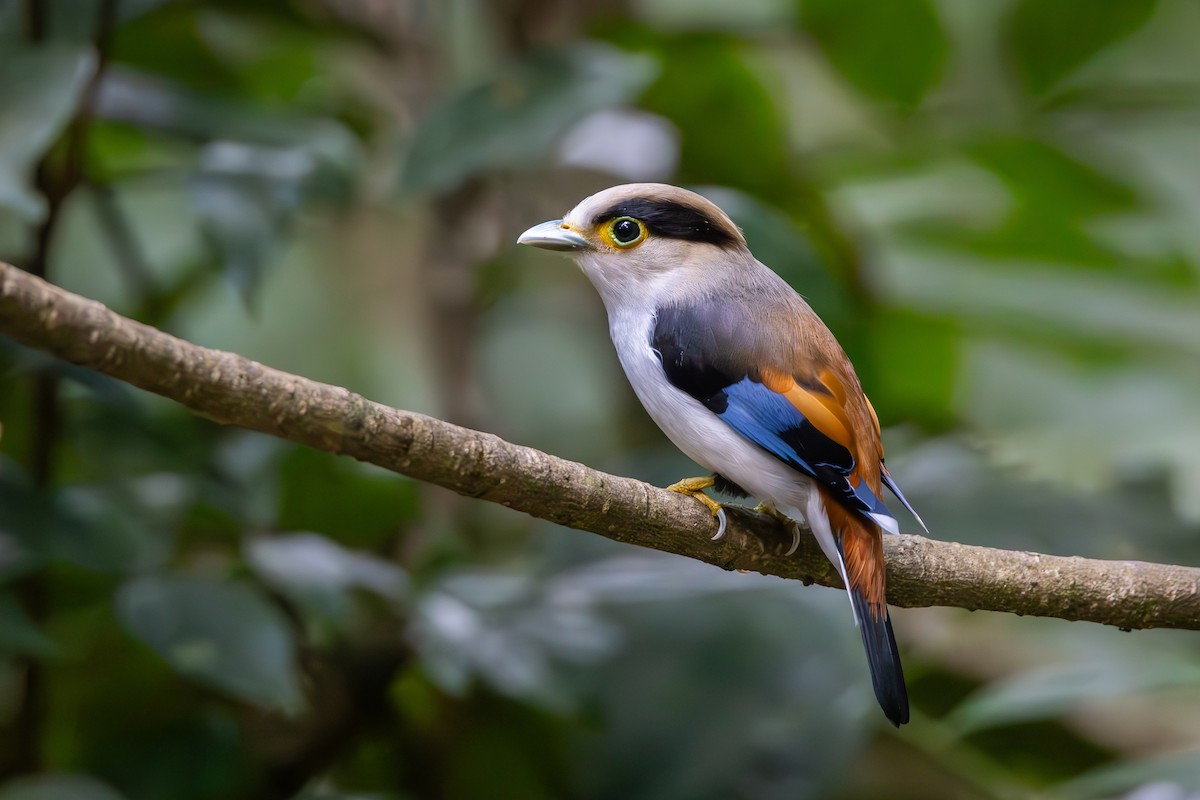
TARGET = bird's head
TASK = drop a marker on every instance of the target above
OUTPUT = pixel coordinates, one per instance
(635, 239)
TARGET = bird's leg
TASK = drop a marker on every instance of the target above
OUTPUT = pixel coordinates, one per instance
(792, 525)
(694, 487)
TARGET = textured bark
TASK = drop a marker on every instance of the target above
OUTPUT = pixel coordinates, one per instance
(237, 391)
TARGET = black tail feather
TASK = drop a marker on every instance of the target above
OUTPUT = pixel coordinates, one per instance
(887, 675)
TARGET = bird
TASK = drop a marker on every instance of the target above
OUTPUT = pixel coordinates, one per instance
(742, 376)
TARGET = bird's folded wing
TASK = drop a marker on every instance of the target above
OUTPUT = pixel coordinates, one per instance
(804, 416)
(806, 428)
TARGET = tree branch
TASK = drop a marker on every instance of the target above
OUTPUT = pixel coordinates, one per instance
(234, 390)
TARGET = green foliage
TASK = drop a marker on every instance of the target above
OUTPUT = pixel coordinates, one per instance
(1170, 772)
(38, 91)
(889, 49)
(720, 106)
(1051, 691)
(362, 507)
(515, 119)
(221, 633)
(994, 207)
(18, 634)
(1049, 40)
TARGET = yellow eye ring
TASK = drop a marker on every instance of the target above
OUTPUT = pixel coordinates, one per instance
(625, 232)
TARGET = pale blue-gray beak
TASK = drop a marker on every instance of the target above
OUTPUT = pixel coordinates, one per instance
(553, 236)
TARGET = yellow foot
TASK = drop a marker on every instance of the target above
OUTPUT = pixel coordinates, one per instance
(694, 487)
(792, 525)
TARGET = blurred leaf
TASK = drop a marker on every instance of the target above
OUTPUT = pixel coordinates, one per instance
(696, 70)
(19, 634)
(171, 44)
(1175, 777)
(39, 88)
(320, 574)
(913, 366)
(779, 666)
(246, 197)
(1068, 305)
(1085, 426)
(95, 527)
(1048, 39)
(256, 168)
(57, 786)
(1057, 204)
(278, 59)
(355, 504)
(153, 103)
(221, 633)
(1051, 691)
(1044, 178)
(516, 119)
(105, 529)
(508, 630)
(890, 49)
(1127, 98)
(121, 151)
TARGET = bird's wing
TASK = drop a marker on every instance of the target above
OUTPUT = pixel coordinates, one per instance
(797, 402)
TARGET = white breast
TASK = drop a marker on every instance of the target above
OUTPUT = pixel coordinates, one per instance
(695, 430)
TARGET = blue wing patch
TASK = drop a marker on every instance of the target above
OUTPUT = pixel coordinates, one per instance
(774, 424)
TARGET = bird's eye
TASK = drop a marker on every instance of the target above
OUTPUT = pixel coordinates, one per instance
(626, 231)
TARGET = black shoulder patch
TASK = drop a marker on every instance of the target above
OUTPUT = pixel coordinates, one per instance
(673, 221)
(686, 341)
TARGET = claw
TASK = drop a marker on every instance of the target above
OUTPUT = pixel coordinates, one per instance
(694, 487)
(720, 534)
(792, 525)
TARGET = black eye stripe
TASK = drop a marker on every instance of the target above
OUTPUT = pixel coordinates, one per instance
(673, 221)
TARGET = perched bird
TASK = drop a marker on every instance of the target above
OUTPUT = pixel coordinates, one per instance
(744, 378)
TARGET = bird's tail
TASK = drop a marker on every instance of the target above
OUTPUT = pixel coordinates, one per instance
(861, 549)
(887, 675)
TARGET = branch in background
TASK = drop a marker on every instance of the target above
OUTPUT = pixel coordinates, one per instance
(234, 390)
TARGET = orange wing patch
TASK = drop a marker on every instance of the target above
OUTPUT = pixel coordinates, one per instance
(826, 412)
(875, 419)
(831, 382)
